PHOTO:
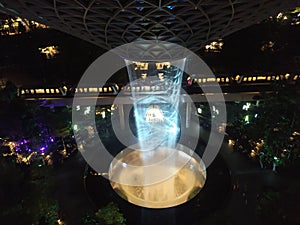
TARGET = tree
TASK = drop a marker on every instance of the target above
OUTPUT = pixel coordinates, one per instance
(274, 207)
(278, 119)
(27, 192)
(110, 215)
(89, 220)
(9, 93)
(107, 215)
(273, 122)
(49, 211)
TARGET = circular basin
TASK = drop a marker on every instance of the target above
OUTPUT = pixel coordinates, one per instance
(160, 178)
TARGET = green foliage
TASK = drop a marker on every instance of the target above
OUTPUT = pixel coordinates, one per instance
(40, 203)
(28, 194)
(52, 213)
(278, 120)
(9, 93)
(11, 180)
(88, 220)
(110, 215)
(279, 208)
(58, 120)
(48, 210)
(29, 120)
(107, 215)
(273, 120)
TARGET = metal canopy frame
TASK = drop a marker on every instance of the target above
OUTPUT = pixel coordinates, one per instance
(110, 23)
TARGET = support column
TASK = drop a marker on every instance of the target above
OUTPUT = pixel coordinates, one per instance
(121, 116)
(188, 115)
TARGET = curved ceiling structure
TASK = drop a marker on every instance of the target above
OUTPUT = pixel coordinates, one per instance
(110, 23)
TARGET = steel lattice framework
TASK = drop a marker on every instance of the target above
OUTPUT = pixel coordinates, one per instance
(110, 23)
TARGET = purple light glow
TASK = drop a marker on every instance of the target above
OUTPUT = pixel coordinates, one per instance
(42, 149)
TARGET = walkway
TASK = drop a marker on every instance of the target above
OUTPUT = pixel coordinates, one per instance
(70, 191)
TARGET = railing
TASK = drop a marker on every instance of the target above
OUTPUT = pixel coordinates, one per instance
(114, 89)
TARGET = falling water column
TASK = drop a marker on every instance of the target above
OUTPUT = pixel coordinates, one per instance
(155, 88)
